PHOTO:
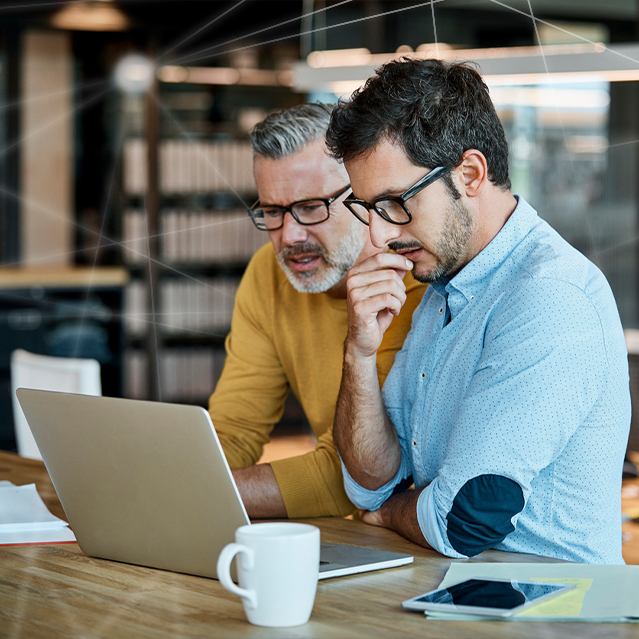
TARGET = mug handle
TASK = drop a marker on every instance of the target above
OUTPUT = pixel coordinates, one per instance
(224, 571)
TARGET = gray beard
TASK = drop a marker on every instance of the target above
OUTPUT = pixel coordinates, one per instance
(337, 262)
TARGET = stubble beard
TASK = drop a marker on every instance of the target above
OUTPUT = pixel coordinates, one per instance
(449, 249)
(333, 266)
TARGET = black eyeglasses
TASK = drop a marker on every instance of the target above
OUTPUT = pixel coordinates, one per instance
(393, 208)
(306, 212)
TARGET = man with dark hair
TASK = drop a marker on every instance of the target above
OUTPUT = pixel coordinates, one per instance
(508, 406)
(289, 321)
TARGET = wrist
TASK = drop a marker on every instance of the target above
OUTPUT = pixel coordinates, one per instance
(382, 514)
(355, 356)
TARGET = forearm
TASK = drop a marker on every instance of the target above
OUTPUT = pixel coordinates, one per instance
(365, 438)
(260, 492)
(399, 513)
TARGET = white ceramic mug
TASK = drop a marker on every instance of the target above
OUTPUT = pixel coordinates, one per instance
(278, 567)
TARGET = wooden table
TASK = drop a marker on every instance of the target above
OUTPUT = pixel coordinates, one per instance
(55, 590)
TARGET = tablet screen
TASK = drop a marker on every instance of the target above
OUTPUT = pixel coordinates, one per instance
(480, 593)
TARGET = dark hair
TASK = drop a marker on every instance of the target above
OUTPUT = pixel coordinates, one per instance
(435, 110)
(289, 130)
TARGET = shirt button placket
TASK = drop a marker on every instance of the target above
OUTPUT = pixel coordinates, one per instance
(416, 452)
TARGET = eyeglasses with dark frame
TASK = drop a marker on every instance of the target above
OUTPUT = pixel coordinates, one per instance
(393, 208)
(305, 212)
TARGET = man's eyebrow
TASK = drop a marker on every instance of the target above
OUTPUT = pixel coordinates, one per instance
(266, 204)
(283, 206)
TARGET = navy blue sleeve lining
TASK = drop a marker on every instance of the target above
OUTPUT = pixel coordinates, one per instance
(403, 485)
(481, 513)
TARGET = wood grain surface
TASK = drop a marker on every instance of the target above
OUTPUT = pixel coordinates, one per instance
(56, 591)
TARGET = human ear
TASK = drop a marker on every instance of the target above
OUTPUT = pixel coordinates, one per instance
(474, 171)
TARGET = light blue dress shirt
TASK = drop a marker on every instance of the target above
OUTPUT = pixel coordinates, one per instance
(515, 413)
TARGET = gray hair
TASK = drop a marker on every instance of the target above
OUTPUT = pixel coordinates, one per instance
(289, 130)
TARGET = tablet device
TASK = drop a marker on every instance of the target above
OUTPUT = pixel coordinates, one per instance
(491, 597)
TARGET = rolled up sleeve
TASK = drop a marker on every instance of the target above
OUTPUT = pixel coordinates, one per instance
(432, 522)
(373, 499)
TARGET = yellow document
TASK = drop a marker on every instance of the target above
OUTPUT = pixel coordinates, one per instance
(601, 594)
(568, 604)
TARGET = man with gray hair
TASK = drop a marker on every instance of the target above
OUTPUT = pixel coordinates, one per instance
(290, 319)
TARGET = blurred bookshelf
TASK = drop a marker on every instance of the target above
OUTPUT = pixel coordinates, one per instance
(205, 243)
(176, 323)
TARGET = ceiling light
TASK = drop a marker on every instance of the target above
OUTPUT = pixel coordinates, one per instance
(225, 75)
(499, 66)
(134, 74)
(550, 97)
(338, 58)
(90, 16)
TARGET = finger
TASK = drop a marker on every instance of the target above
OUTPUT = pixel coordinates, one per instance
(370, 307)
(377, 287)
(384, 319)
(366, 311)
(359, 280)
(371, 517)
(383, 261)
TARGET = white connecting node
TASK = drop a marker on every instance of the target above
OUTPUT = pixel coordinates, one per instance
(134, 74)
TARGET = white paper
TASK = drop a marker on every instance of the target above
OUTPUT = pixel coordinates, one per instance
(37, 537)
(24, 518)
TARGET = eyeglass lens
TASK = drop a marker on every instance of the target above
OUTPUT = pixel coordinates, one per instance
(393, 210)
(309, 212)
(390, 209)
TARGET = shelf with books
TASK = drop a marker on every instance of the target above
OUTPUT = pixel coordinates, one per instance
(198, 201)
(193, 237)
(186, 184)
(188, 374)
(191, 309)
(191, 165)
(204, 240)
(183, 339)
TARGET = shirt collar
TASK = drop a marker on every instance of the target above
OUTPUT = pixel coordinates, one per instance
(472, 280)
(441, 286)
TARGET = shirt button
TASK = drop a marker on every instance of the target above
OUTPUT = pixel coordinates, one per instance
(415, 443)
(422, 375)
(441, 310)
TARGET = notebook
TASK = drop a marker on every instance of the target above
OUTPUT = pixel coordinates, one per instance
(147, 483)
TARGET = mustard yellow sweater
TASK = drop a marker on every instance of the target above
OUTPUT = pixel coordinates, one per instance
(281, 340)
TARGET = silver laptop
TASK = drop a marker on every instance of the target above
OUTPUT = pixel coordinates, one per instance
(147, 483)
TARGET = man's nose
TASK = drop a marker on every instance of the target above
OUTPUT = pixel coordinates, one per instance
(382, 232)
(292, 231)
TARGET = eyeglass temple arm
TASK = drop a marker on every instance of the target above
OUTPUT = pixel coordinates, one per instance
(425, 181)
